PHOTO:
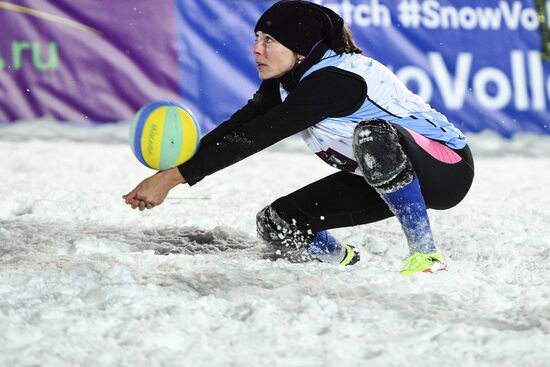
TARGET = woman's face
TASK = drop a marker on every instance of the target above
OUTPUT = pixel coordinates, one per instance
(272, 58)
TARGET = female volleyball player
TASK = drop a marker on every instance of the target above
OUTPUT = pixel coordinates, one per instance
(396, 155)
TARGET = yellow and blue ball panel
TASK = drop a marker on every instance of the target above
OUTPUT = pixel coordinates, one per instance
(164, 135)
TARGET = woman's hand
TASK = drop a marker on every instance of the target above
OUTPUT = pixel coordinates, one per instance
(153, 190)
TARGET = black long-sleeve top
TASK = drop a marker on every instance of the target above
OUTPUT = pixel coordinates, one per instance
(266, 120)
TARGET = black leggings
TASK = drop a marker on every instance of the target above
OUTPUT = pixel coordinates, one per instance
(344, 199)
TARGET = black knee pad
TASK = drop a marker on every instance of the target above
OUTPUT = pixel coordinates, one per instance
(380, 156)
(277, 231)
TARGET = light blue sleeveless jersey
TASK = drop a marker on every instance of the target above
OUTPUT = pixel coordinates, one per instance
(387, 98)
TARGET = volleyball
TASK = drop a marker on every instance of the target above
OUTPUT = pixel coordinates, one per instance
(164, 134)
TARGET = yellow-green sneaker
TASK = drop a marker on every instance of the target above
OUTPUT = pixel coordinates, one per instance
(427, 263)
(352, 256)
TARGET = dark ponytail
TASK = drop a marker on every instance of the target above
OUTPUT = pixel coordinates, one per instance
(349, 42)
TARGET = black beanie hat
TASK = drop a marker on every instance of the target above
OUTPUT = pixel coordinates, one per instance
(300, 25)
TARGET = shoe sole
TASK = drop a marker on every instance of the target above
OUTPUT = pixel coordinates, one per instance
(436, 266)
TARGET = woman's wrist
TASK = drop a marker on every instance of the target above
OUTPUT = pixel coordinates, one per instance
(174, 177)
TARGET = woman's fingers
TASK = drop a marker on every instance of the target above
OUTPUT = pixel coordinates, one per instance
(132, 195)
(142, 206)
(128, 198)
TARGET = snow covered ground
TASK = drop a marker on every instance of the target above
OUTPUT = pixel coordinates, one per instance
(85, 281)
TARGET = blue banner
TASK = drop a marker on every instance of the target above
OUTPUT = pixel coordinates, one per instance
(477, 62)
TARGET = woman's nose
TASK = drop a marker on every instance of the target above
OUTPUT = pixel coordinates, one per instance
(257, 48)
